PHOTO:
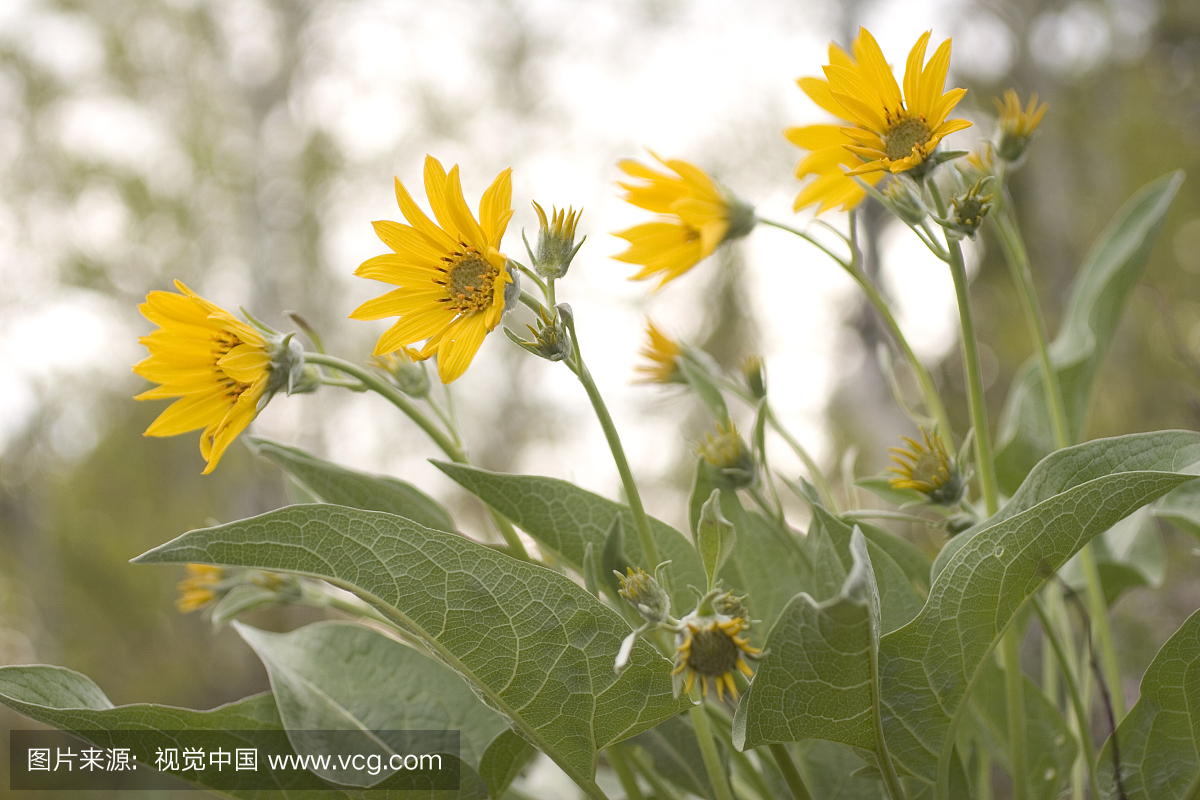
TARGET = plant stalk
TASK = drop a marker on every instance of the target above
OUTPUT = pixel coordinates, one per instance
(791, 775)
(641, 521)
(1014, 695)
(616, 757)
(708, 750)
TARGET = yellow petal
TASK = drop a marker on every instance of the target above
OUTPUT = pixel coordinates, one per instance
(495, 207)
(912, 74)
(416, 217)
(459, 346)
(244, 363)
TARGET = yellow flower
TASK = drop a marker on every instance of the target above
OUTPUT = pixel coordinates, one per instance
(929, 469)
(827, 164)
(217, 365)
(451, 277)
(200, 588)
(660, 352)
(709, 646)
(1017, 125)
(890, 130)
(696, 216)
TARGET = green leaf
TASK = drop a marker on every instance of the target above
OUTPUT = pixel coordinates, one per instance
(768, 564)
(715, 537)
(533, 645)
(898, 598)
(673, 749)
(882, 488)
(1106, 279)
(818, 680)
(836, 771)
(66, 700)
(914, 563)
(329, 483)
(929, 666)
(1073, 466)
(1182, 508)
(336, 676)
(1128, 555)
(1160, 737)
(564, 518)
(1050, 746)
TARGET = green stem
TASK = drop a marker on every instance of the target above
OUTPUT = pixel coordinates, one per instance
(1018, 262)
(662, 790)
(632, 496)
(708, 751)
(616, 757)
(791, 775)
(932, 400)
(983, 440)
(1098, 611)
(376, 384)
(1014, 694)
(1068, 670)
(970, 343)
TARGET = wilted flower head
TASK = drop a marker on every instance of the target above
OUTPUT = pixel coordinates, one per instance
(969, 208)
(709, 646)
(696, 216)
(661, 353)
(928, 468)
(644, 594)
(727, 454)
(201, 587)
(1016, 124)
(406, 370)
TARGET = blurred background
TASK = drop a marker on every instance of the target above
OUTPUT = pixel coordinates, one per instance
(244, 147)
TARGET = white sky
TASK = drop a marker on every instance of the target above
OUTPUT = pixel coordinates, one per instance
(608, 93)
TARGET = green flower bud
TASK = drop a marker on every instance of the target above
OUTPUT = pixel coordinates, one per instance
(556, 245)
(645, 595)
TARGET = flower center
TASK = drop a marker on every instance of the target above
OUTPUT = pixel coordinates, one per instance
(906, 134)
(469, 281)
(930, 469)
(713, 651)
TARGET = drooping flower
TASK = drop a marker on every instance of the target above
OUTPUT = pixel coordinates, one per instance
(218, 366)
(200, 588)
(660, 353)
(453, 283)
(928, 468)
(709, 646)
(1016, 124)
(696, 217)
(889, 130)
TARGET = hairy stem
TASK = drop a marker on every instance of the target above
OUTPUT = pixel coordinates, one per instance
(641, 522)
(708, 750)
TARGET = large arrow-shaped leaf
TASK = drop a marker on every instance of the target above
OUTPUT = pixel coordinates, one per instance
(331, 483)
(1160, 737)
(336, 676)
(929, 666)
(1108, 275)
(1064, 469)
(535, 646)
(566, 519)
(819, 678)
(69, 701)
